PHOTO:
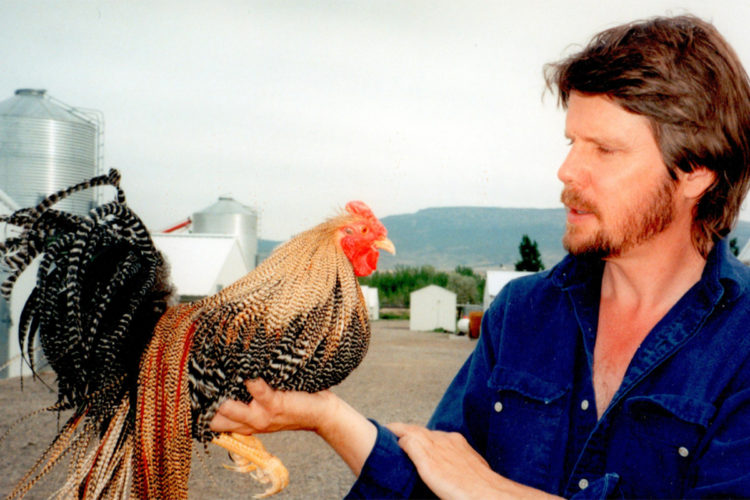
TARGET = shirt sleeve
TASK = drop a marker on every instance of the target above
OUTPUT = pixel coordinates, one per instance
(465, 405)
(388, 472)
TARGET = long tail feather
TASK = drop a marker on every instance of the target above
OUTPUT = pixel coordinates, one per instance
(49, 458)
(96, 471)
(100, 289)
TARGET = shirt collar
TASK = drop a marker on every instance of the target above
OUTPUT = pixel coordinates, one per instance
(724, 274)
(574, 271)
(724, 270)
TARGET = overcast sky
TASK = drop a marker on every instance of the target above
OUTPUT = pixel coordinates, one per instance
(296, 107)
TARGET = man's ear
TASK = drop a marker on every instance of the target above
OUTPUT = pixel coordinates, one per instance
(695, 183)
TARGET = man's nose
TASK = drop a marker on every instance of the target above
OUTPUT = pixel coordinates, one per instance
(571, 169)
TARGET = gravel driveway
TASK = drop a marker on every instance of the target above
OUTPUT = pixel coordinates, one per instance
(401, 379)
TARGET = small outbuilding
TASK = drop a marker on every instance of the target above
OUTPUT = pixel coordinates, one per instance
(744, 255)
(432, 308)
(373, 301)
(202, 264)
(496, 280)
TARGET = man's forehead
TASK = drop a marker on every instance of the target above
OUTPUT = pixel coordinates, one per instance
(599, 118)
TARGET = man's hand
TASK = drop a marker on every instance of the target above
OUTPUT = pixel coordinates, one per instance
(342, 427)
(451, 468)
(272, 410)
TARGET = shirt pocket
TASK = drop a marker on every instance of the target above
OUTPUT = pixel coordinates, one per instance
(525, 433)
(661, 436)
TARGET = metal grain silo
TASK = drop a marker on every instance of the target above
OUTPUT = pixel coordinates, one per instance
(46, 146)
(228, 216)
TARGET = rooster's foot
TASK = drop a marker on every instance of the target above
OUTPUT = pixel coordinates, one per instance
(249, 455)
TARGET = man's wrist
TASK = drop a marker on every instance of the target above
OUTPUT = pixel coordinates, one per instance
(330, 412)
(349, 433)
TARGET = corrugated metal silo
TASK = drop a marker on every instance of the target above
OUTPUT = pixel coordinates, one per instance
(228, 216)
(45, 146)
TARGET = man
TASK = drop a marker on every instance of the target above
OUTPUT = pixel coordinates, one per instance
(625, 369)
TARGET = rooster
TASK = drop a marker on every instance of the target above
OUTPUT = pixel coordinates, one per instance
(144, 376)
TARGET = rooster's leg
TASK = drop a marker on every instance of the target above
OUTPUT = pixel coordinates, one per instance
(250, 455)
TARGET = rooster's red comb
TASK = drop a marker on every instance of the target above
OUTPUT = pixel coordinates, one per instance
(360, 208)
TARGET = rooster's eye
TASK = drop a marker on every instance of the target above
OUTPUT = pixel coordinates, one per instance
(364, 230)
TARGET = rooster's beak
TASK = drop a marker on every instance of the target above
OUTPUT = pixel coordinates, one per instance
(385, 244)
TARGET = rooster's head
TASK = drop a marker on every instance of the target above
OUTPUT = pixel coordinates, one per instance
(361, 236)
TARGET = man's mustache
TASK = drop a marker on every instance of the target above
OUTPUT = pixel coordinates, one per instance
(574, 200)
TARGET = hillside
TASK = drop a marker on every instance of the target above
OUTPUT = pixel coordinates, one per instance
(478, 237)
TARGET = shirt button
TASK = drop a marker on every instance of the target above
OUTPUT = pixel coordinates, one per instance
(585, 404)
(583, 483)
(684, 452)
(498, 407)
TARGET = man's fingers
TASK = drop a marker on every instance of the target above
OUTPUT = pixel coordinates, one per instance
(258, 388)
(220, 423)
(234, 410)
(399, 428)
(270, 410)
(402, 430)
(413, 439)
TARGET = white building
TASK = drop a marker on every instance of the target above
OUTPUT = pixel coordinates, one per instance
(11, 364)
(202, 264)
(744, 255)
(432, 308)
(496, 280)
(373, 301)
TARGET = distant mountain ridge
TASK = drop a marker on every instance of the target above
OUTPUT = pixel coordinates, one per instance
(478, 237)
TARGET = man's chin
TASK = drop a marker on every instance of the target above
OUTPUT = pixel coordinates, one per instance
(593, 249)
(591, 253)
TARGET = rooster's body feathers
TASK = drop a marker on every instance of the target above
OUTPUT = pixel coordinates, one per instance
(145, 379)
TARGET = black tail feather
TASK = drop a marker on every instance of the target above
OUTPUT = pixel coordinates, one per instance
(100, 289)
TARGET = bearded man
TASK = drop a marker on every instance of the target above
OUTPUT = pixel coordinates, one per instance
(624, 371)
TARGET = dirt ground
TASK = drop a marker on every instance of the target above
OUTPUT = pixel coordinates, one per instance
(401, 379)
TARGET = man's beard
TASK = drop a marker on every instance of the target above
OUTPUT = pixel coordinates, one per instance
(639, 223)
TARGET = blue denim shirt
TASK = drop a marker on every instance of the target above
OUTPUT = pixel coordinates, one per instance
(679, 425)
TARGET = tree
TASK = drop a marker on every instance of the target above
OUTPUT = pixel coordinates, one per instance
(479, 283)
(531, 259)
(465, 288)
(468, 285)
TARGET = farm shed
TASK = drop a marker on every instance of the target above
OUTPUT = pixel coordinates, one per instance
(373, 301)
(432, 307)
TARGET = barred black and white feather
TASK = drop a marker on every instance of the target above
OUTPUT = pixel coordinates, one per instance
(100, 289)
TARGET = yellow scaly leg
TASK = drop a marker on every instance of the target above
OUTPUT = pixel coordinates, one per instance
(250, 455)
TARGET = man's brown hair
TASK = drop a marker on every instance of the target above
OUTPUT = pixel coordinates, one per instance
(682, 75)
